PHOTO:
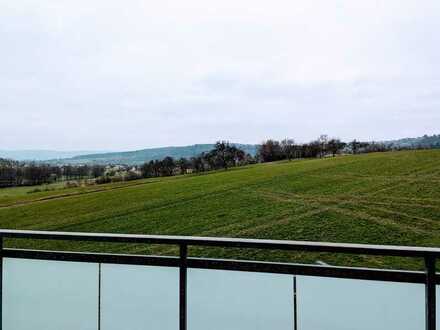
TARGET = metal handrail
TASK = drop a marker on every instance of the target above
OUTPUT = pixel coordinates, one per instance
(367, 249)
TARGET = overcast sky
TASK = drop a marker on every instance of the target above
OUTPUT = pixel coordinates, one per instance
(115, 75)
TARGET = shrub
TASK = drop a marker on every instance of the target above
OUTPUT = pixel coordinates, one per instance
(103, 180)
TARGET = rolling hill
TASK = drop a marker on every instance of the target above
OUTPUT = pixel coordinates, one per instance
(138, 157)
(40, 155)
(141, 156)
(426, 141)
(386, 198)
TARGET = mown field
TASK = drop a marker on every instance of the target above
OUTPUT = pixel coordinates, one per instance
(384, 198)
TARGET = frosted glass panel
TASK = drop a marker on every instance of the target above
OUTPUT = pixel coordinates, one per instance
(341, 304)
(49, 295)
(139, 298)
(229, 300)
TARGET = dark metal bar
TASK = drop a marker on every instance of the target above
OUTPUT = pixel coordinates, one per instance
(310, 270)
(295, 305)
(99, 296)
(430, 294)
(125, 259)
(1, 282)
(234, 265)
(384, 250)
(183, 287)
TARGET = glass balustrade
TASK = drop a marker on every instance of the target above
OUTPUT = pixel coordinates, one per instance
(49, 295)
(343, 304)
(232, 300)
(139, 297)
(57, 295)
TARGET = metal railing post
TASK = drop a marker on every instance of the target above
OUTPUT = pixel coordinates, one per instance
(99, 295)
(1, 282)
(183, 287)
(295, 305)
(430, 295)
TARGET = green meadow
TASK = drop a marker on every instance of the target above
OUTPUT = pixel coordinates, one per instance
(381, 198)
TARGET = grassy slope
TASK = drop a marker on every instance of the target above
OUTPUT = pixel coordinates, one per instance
(386, 198)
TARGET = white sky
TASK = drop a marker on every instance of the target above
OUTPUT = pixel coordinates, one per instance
(113, 74)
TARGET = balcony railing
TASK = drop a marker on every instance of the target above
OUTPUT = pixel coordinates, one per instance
(45, 290)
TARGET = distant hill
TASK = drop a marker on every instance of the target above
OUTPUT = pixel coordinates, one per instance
(426, 141)
(41, 155)
(141, 156)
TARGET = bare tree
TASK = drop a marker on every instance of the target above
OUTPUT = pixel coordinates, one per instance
(335, 146)
(288, 148)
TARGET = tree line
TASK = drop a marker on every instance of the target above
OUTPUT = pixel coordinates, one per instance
(223, 156)
(13, 173)
(273, 150)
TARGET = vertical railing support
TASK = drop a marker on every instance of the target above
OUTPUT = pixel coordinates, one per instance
(430, 297)
(183, 287)
(295, 305)
(99, 295)
(1, 282)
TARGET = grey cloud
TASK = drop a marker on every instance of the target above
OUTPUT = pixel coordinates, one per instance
(116, 75)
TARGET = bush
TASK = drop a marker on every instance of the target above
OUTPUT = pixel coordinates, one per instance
(115, 179)
(103, 180)
(132, 176)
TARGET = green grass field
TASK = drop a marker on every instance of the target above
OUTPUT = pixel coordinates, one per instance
(383, 198)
